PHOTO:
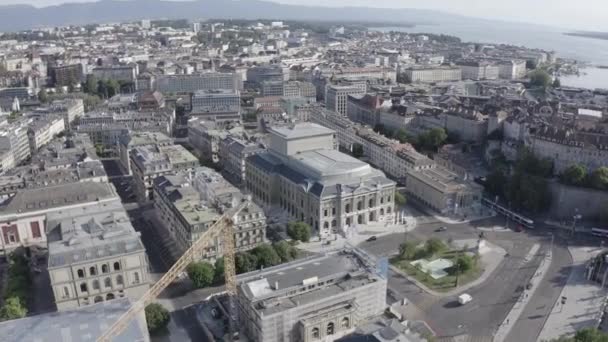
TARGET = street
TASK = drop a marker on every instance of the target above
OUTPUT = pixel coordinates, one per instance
(494, 298)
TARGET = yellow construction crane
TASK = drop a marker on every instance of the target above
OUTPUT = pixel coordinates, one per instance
(222, 228)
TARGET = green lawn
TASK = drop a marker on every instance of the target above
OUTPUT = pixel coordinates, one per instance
(446, 283)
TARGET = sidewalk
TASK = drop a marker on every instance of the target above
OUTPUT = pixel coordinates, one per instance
(513, 315)
(584, 300)
(364, 232)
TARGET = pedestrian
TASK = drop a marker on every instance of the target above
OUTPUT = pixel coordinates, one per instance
(507, 321)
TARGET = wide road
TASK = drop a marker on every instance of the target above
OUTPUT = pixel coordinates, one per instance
(494, 298)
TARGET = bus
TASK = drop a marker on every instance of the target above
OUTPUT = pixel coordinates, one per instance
(599, 232)
(522, 220)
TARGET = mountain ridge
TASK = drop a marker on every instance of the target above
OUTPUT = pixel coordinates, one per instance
(21, 17)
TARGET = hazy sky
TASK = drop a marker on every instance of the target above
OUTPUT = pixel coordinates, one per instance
(582, 14)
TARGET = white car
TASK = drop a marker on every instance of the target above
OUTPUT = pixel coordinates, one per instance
(464, 298)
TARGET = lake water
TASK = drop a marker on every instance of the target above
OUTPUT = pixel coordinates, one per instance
(594, 51)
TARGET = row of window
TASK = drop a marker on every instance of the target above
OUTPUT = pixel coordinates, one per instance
(105, 268)
(330, 328)
(107, 283)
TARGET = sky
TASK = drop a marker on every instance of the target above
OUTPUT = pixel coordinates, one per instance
(579, 14)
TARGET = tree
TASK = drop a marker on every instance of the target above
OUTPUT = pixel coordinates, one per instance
(434, 246)
(201, 273)
(266, 256)
(574, 175)
(400, 198)
(12, 309)
(283, 249)
(540, 78)
(245, 262)
(157, 317)
(557, 83)
(102, 89)
(407, 250)
(585, 335)
(599, 178)
(299, 231)
(43, 97)
(113, 87)
(464, 263)
(495, 182)
(403, 136)
(357, 151)
(432, 139)
(91, 85)
(218, 274)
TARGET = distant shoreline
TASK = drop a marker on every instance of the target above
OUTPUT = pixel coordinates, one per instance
(591, 35)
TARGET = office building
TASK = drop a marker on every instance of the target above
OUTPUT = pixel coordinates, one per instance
(303, 173)
(234, 153)
(189, 203)
(151, 161)
(128, 142)
(336, 97)
(95, 255)
(443, 190)
(65, 75)
(478, 70)
(321, 298)
(221, 106)
(125, 73)
(272, 88)
(196, 82)
(41, 132)
(23, 216)
(433, 74)
(259, 74)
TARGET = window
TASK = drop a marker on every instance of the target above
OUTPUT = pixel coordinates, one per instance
(105, 268)
(98, 299)
(92, 271)
(345, 323)
(330, 328)
(135, 278)
(35, 226)
(110, 296)
(315, 332)
(83, 287)
(347, 208)
(66, 292)
(325, 212)
(117, 266)
(359, 205)
(119, 280)
(333, 211)
(371, 202)
(95, 284)
(107, 282)
(80, 273)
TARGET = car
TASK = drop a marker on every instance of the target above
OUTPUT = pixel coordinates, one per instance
(372, 238)
(442, 229)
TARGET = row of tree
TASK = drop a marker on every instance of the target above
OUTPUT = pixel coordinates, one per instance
(578, 175)
(428, 141)
(102, 88)
(414, 250)
(204, 274)
(17, 289)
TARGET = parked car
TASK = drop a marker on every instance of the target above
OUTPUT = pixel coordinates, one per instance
(442, 229)
(372, 238)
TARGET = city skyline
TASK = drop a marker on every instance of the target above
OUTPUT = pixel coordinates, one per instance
(556, 13)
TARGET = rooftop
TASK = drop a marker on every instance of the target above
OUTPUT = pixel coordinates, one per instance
(301, 130)
(54, 197)
(90, 232)
(86, 323)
